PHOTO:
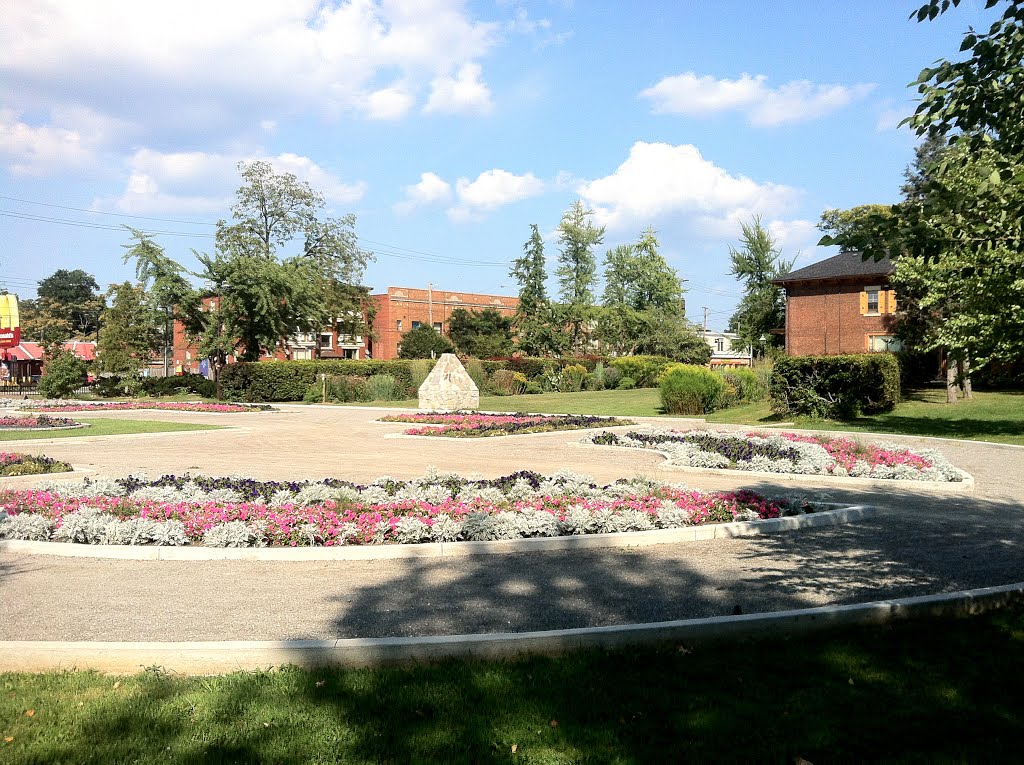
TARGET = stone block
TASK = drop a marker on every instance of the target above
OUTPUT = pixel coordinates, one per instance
(449, 387)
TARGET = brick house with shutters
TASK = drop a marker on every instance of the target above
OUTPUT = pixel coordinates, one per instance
(843, 304)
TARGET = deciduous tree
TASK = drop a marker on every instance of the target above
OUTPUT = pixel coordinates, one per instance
(756, 263)
(577, 270)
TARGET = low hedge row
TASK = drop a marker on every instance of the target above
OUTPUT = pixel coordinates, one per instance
(836, 387)
(289, 380)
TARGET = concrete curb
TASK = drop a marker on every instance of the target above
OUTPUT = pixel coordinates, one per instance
(966, 486)
(229, 656)
(821, 519)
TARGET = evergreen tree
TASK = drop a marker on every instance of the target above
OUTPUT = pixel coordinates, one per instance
(537, 332)
(756, 263)
(577, 270)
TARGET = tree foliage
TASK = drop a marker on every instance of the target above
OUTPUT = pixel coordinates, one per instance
(127, 333)
(535, 322)
(756, 263)
(577, 269)
(63, 375)
(424, 342)
(480, 334)
(68, 301)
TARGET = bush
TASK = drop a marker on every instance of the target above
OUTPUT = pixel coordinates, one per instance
(573, 377)
(611, 377)
(533, 387)
(383, 388)
(626, 383)
(748, 385)
(595, 381)
(837, 387)
(643, 369)
(422, 342)
(289, 380)
(505, 382)
(418, 371)
(173, 385)
(688, 389)
(475, 369)
(65, 373)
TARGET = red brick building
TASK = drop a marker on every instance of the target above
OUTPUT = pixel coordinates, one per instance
(843, 304)
(403, 308)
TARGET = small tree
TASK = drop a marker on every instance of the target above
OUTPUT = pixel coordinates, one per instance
(65, 373)
(423, 343)
(577, 269)
(127, 335)
(756, 263)
(480, 334)
(537, 333)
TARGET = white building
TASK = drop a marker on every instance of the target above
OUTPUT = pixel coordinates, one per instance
(726, 349)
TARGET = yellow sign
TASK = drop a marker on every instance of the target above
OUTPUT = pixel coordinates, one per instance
(10, 322)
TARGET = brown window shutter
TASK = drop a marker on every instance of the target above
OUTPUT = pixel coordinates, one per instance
(891, 301)
(863, 302)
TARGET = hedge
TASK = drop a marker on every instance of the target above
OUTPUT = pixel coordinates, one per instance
(289, 380)
(689, 389)
(836, 387)
(643, 370)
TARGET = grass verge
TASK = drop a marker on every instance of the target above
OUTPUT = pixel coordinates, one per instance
(947, 691)
(105, 427)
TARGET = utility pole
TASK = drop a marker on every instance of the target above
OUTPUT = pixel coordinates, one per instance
(705, 319)
(430, 304)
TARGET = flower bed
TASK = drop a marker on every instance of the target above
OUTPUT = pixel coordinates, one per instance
(239, 512)
(12, 463)
(168, 406)
(475, 425)
(788, 453)
(33, 422)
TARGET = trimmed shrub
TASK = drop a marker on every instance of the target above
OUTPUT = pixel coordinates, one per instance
(688, 389)
(837, 387)
(643, 369)
(175, 384)
(288, 380)
(626, 383)
(533, 387)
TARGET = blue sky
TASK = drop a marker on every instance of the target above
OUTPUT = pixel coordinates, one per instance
(449, 127)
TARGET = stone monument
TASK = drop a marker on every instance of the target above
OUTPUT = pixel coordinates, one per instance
(449, 386)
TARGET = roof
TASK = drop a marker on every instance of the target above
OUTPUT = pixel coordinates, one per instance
(842, 266)
(34, 351)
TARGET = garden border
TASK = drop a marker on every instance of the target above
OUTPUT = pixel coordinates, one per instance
(839, 515)
(215, 657)
(76, 426)
(966, 486)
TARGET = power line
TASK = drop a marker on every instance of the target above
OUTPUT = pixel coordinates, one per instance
(102, 212)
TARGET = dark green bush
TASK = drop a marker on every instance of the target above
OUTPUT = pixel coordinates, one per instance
(533, 387)
(688, 389)
(289, 380)
(65, 373)
(175, 384)
(626, 383)
(838, 387)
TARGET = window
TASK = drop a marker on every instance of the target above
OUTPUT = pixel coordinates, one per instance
(437, 326)
(719, 345)
(882, 343)
(326, 340)
(872, 300)
(398, 325)
(415, 325)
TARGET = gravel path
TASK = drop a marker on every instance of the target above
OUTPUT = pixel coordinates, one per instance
(918, 544)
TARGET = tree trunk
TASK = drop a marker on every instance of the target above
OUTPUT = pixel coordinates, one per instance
(950, 380)
(964, 371)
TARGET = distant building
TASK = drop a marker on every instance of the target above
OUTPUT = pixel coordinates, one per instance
(401, 309)
(726, 349)
(24, 362)
(843, 304)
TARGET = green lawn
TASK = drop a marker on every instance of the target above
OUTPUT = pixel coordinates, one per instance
(946, 691)
(991, 416)
(104, 427)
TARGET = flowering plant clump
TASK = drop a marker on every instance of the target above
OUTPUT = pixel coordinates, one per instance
(168, 406)
(12, 463)
(475, 425)
(788, 453)
(32, 422)
(438, 507)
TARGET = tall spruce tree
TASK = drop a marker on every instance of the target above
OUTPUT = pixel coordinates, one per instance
(537, 332)
(577, 270)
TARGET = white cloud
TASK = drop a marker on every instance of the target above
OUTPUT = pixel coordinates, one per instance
(796, 101)
(465, 93)
(795, 237)
(659, 180)
(389, 103)
(492, 189)
(889, 119)
(432, 189)
(199, 65)
(202, 183)
(70, 139)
